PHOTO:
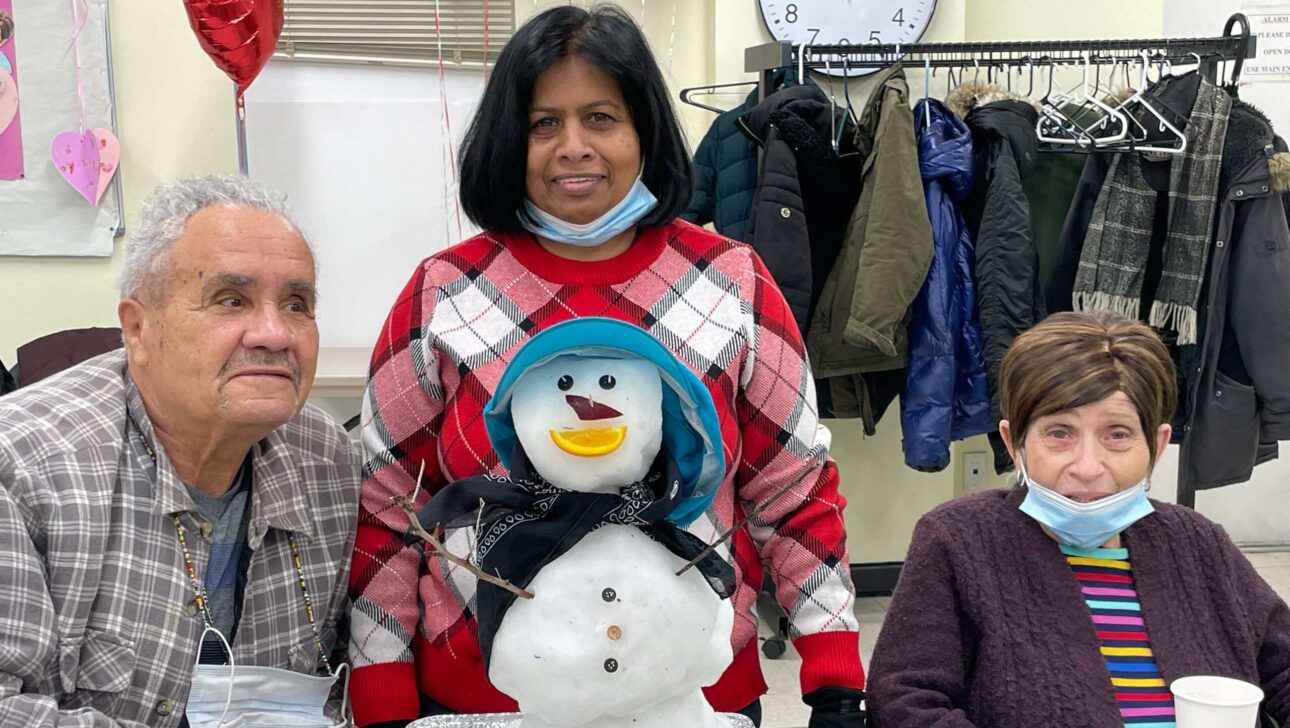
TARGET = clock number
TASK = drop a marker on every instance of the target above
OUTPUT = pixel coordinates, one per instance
(875, 37)
(899, 17)
(791, 13)
(815, 33)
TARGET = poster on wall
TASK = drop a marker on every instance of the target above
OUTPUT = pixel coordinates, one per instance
(10, 120)
(1270, 21)
(63, 87)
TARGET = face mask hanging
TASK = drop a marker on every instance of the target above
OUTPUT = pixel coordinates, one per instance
(1084, 525)
(240, 697)
(630, 210)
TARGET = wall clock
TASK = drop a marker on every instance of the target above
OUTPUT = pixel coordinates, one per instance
(838, 22)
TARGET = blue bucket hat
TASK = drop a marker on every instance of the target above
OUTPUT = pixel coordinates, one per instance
(691, 432)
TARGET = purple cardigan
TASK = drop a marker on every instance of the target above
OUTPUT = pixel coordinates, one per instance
(988, 627)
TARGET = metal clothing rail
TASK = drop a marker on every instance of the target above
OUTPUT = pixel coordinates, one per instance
(1207, 52)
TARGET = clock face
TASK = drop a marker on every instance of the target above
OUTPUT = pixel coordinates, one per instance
(839, 22)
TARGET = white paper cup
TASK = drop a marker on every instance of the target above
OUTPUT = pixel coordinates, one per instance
(1208, 701)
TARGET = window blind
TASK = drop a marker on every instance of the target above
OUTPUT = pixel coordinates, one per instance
(399, 32)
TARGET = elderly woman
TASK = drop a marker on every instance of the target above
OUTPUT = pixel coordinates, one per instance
(1072, 599)
(576, 168)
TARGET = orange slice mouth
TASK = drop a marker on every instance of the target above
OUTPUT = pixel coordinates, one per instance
(589, 443)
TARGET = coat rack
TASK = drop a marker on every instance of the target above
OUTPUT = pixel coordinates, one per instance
(1208, 53)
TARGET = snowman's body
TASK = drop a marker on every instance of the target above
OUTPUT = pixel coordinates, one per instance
(613, 637)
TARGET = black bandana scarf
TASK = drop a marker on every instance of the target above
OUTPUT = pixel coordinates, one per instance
(526, 523)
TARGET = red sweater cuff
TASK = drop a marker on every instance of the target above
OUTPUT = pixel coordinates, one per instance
(387, 691)
(830, 659)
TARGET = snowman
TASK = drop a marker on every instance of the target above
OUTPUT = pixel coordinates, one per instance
(612, 446)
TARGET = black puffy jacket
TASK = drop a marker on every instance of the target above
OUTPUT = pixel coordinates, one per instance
(805, 192)
(998, 218)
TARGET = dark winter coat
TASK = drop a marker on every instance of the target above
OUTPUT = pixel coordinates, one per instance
(725, 171)
(860, 324)
(1234, 385)
(805, 191)
(946, 397)
(1240, 394)
(998, 217)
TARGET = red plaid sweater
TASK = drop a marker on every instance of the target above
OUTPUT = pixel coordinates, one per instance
(452, 332)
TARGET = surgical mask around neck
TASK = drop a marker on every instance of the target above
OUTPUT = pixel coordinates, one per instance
(1084, 525)
(250, 696)
(638, 203)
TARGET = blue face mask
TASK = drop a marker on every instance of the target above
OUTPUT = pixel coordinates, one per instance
(629, 211)
(1084, 525)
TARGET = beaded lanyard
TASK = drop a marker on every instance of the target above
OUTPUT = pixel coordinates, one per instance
(199, 589)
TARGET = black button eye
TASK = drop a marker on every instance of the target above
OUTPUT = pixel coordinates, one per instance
(565, 383)
(607, 382)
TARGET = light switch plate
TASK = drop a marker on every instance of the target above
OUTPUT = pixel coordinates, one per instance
(976, 468)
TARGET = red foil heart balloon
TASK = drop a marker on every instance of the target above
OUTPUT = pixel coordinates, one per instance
(239, 35)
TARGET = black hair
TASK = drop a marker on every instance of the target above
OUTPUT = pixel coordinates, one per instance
(494, 154)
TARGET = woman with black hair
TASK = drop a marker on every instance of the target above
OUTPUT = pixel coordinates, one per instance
(576, 168)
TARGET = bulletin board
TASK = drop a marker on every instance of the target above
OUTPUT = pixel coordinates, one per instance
(40, 212)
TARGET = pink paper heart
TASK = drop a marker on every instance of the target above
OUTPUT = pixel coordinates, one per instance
(77, 158)
(109, 159)
(8, 100)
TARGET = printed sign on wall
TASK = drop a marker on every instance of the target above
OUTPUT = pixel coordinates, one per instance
(1271, 23)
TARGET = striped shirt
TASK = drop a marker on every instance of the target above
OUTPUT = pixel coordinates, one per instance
(1105, 577)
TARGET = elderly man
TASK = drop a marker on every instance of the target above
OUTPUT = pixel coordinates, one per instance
(164, 506)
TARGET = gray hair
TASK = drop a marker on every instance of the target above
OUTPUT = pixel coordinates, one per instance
(167, 211)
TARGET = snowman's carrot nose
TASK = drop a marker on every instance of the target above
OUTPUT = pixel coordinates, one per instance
(589, 409)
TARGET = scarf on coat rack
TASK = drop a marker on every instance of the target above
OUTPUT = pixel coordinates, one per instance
(1114, 257)
(523, 523)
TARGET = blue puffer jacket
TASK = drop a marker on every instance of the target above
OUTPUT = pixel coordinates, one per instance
(946, 397)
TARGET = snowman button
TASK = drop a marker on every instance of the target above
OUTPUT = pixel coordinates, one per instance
(609, 595)
(611, 665)
(615, 632)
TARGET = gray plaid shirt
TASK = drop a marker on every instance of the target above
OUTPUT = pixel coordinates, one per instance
(98, 625)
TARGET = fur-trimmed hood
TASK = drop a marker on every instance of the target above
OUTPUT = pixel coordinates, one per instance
(973, 94)
(1249, 136)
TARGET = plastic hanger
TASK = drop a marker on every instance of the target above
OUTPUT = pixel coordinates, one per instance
(1054, 126)
(1056, 120)
(1093, 99)
(801, 62)
(1139, 100)
(927, 85)
(833, 101)
(688, 93)
(838, 131)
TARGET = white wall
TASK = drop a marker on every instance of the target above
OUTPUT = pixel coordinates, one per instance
(363, 155)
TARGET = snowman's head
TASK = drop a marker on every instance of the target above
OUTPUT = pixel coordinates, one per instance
(571, 437)
(590, 425)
